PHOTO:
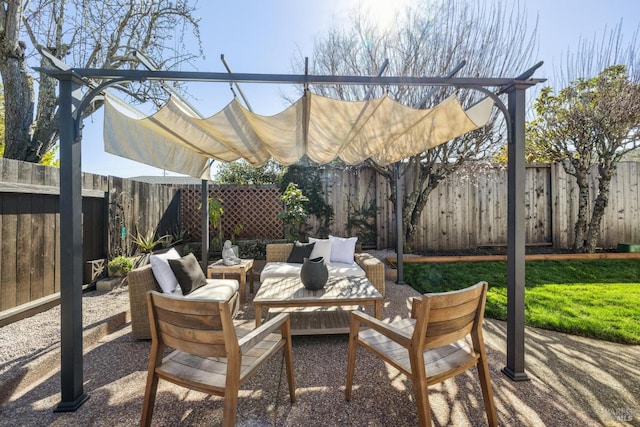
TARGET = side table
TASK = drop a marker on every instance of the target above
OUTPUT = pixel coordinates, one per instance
(245, 267)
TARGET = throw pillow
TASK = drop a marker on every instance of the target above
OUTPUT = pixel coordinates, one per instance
(299, 252)
(162, 272)
(343, 249)
(188, 272)
(322, 248)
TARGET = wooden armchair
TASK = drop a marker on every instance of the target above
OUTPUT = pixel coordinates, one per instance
(208, 356)
(431, 346)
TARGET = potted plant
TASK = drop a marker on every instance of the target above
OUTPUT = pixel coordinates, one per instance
(120, 266)
(147, 242)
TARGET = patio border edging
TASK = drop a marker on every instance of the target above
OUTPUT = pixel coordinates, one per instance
(533, 257)
(20, 379)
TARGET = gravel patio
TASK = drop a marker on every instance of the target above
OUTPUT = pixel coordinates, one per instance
(574, 381)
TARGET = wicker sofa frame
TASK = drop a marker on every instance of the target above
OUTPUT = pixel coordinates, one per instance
(141, 280)
(372, 266)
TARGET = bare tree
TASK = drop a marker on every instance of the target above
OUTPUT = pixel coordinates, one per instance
(85, 34)
(430, 40)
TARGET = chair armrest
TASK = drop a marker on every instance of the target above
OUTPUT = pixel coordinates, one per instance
(373, 268)
(415, 305)
(141, 280)
(394, 334)
(254, 337)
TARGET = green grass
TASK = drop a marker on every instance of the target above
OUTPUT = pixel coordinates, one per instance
(594, 298)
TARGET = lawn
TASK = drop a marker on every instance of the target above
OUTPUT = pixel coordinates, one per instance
(594, 298)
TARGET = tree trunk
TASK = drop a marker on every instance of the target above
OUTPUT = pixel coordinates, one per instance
(18, 87)
(605, 173)
(45, 131)
(583, 212)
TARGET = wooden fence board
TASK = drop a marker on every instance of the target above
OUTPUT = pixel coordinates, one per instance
(633, 213)
(37, 249)
(3, 259)
(9, 249)
(23, 250)
(50, 242)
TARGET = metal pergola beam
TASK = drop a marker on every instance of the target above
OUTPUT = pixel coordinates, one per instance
(72, 103)
(193, 76)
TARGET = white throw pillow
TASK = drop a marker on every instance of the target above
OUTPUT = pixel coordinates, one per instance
(162, 271)
(322, 248)
(342, 249)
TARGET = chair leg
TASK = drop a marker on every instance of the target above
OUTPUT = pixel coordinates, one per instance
(351, 357)
(288, 359)
(230, 407)
(420, 389)
(487, 390)
(149, 399)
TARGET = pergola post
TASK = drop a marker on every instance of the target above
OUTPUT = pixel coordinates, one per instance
(71, 362)
(204, 220)
(399, 228)
(516, 234)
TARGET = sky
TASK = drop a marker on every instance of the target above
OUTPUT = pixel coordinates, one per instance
(258, 36)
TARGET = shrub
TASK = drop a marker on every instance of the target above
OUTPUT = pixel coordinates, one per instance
(120, 266)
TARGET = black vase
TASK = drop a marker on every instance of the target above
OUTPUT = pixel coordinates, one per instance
(314, 273)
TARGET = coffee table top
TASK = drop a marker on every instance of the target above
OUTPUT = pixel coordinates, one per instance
(337, 289)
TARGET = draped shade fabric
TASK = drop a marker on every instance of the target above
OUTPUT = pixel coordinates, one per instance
(176, 139)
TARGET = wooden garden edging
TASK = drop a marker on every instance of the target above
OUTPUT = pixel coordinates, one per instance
(533, 257)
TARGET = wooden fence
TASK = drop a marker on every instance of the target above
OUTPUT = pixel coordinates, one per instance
(467, 211)
(30, 229)
(138, 207)
(112, 209)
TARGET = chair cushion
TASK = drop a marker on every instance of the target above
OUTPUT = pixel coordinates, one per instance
(162, 271)
(215, 290)
(322, 248)
(188, 273)
(300, 251)
(343, 249)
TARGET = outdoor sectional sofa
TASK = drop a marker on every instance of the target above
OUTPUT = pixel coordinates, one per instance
(142, 280)
(365, 265)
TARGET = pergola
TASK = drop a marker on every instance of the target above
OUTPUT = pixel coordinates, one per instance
(73, 102)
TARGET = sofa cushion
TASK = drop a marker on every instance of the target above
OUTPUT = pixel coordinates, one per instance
(188, 272)
(283, 269)
(280, 269)
(162, 271)
(343, 269)
(342, 249)
(322, 248)
(215, 290)
(300, 251)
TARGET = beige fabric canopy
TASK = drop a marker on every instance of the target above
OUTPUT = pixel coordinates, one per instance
(324, 129)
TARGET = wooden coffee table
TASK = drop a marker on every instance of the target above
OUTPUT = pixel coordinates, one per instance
(245, 267)
(324, 311)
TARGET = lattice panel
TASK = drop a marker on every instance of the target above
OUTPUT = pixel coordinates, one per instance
(254, 207)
